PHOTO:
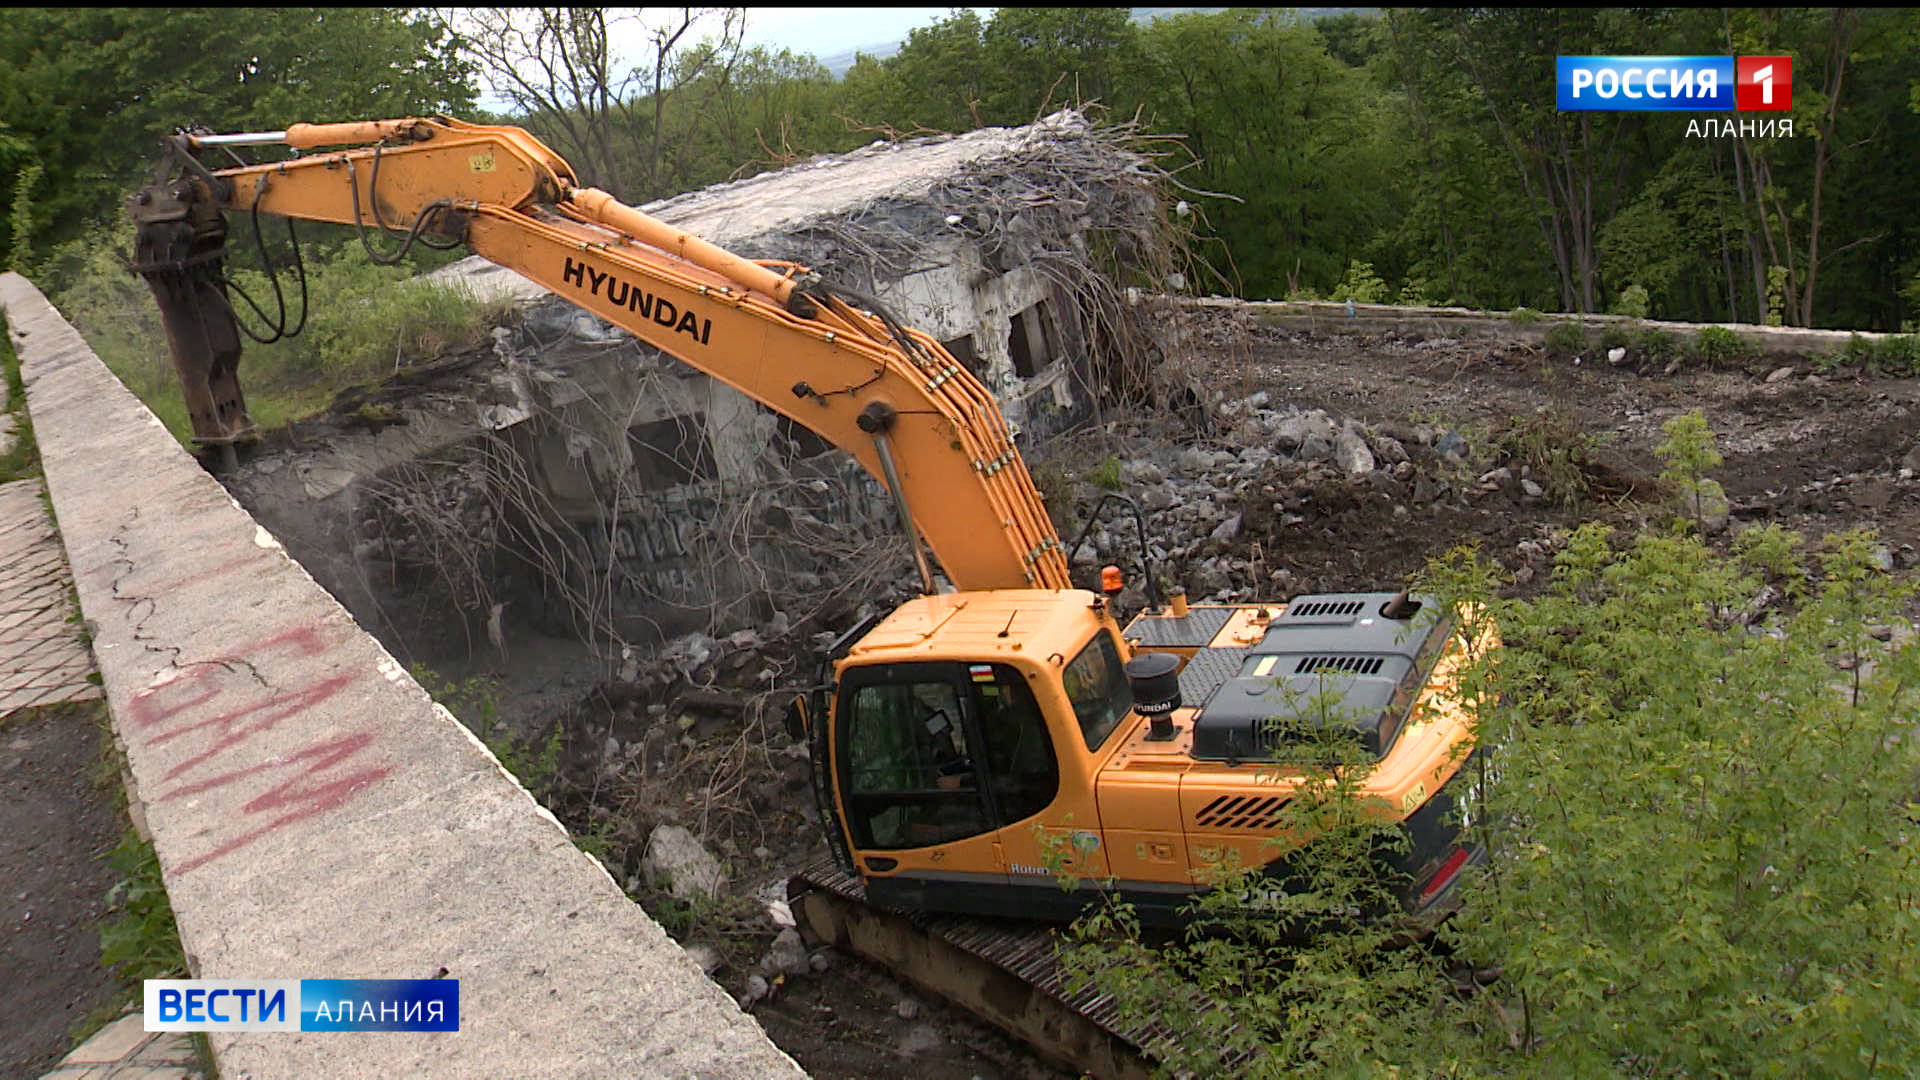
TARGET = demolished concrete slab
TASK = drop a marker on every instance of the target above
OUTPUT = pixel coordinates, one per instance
(649, 499)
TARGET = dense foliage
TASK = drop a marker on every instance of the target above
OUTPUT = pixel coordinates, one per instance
(1699, 812)
(1418, 149)
(87, 93)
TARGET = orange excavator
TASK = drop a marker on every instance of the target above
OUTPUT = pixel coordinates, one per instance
(967, 740)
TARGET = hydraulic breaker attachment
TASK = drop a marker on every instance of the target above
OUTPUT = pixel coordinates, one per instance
(180, 248)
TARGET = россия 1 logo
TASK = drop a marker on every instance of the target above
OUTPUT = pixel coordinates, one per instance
(1662, 83)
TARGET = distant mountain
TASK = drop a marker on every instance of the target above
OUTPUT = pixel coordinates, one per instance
(839, 62)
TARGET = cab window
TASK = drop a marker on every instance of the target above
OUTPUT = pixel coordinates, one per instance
(1096, 684)
(1023, 771)
(912, 781)
(940, 752)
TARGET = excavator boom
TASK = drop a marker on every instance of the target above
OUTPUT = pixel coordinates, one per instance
(827, 359)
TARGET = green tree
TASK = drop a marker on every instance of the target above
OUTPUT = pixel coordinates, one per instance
(90, 91)
(1275, 122)
(938, 81)
(757, 107)
(1044, 58)
(1698, 811)
(1688, 452)
(1703, 867)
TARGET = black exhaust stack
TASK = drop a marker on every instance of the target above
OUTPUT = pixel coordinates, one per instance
(1155, 680)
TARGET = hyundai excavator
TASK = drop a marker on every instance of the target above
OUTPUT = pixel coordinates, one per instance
(995, 730)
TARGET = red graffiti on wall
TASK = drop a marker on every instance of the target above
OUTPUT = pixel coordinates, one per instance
(243, 703)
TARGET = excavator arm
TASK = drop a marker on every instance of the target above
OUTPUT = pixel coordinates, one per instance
(829, 360)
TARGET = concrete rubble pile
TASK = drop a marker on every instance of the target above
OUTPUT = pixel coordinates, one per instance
(1216, 512)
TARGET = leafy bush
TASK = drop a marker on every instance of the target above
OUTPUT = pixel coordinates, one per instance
(1659, 346)
(1525, 316)
(1566, 337)
(1616, 336)
(1894, 354)
(1417, 292)
(1700, 860)
(22, 219)
(366, 320)
(1242, 995)
(1898, 354)
(1696, 820)
(1361, 285)
(1632, 302)
(1719, 345)
(1776, 296)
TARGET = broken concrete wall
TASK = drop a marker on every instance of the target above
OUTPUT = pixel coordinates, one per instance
(636, 497)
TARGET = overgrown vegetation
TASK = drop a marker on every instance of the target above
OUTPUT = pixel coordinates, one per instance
(1697, 811)
(21, 459)
(1240, 994)
(1105, 475)
(1406, 153)
(140, 941)
(1566, 338)
(1718, 345)
(535, 761)
(1895, 354)
(363, 321)
(1658, 346)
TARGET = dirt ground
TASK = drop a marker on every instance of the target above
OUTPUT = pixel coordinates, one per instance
(1814, 452)
(57, 824)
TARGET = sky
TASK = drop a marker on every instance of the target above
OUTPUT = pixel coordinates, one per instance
(827, 32)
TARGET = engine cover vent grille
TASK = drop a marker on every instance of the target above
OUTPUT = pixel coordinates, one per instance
(1351, 665)
(1315, 609)
(1242, 812)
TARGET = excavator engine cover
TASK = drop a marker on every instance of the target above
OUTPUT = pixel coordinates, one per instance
(1330, 662)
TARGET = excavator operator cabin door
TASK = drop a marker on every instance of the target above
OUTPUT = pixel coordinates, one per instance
(938, 757)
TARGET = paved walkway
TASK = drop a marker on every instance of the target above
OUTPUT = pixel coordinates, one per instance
(123, 1050)
(43, 660)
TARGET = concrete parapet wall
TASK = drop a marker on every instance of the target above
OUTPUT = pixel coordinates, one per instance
(1330, 317)
(315, 813)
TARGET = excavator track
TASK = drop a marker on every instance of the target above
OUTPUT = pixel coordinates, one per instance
(1005, 972)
